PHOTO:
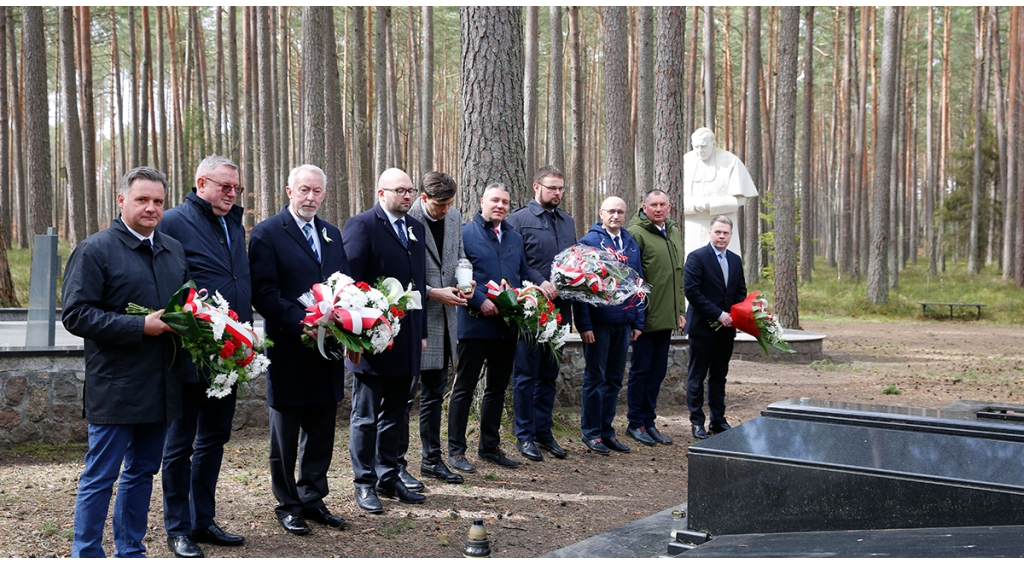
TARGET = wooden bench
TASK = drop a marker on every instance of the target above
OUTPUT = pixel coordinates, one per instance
(950, 305)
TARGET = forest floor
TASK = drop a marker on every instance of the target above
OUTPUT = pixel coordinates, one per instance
(541, 506)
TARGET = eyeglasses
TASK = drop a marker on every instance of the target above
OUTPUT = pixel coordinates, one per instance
(226, 188)
(615, 212)
(552, 188)
(403, 192)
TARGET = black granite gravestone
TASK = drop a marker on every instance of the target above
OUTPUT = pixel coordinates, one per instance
(822, 466)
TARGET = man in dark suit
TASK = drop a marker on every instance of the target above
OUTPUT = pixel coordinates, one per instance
(209, 226)
(713, 282)
(496, 252)
(288, 253)
(444, 249)
(384, 242)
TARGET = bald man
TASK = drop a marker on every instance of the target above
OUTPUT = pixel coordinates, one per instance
(385, 242)
(606, 332)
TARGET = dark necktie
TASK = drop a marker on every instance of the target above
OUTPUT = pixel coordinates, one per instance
(308, 230)
(618, 243)
(400, 224)
(224, 225)
(148, 244)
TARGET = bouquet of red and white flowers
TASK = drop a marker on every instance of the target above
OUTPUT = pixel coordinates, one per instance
(229, 352)
(753, 318)
(345, 314)
(527, 311)
(599, 277)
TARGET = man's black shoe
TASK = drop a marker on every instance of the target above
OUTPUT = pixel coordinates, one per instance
(699, 432)
(594, 445)
(653, 433)
(367, 500)
(398, 491)
(183, 547)
(529, 450)
(295, 524)
(215, 535)
(614, 444)
(640, 435)
(499, 458)
(409, 481)
(551, 446)
(459, 462)
(716, 429)
(323, 516)
(441, 472)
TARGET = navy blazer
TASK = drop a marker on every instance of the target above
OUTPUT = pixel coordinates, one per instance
(375, 252)
(491, 261)
(283, 267)
(706, 291)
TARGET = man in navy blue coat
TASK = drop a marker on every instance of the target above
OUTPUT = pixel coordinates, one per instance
(288, 253)
(606, 332)
(496, 252)
(209, 226)
(385, 242)
(546, 231)
(713, 281)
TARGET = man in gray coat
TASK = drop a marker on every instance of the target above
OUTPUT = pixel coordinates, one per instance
(434, 208)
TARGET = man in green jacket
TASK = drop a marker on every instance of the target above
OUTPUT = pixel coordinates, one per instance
(661, 256)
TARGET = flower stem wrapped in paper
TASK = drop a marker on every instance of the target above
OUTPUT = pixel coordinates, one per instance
(345, 314)
(599, 277)
(753, 318)
(228, 351)
(532, 316)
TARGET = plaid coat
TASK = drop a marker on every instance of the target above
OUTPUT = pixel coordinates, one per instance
(440, 273)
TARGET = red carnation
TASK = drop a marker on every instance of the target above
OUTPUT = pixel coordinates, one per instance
(363, 286)
(232, 314)
(543, 318)
(246, 361)
(558, 318)
(229, 349)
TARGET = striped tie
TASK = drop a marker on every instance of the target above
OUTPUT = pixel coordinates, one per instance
(308, 230)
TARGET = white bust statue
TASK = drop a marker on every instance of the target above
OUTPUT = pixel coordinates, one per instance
(716, 183)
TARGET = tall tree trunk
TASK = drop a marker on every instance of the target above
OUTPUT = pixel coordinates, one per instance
(84, 35)
(247, 149)
(380, 90)
(37, 120)
(807, 191)
(556, 117)
(313, 31)
(8, 296)
(491, 140)
(619, 173)
(266, 128)
(426, 128)
(161, 90)
(72, 127)
(751, 220)
(335, 148)
(786, 300)
(1012, 154)
(709, 68)
(18, 187)
(931, 175)
(234, 150)
(1016, 119)
(878, 275)
(577, 175)
(133, 71)
(691, 74)
(362, 166)
(645, 123)
(530, 88)
(146, 89)
(973, 260)
(670, 133)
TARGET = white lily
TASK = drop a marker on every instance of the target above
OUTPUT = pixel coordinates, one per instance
(395, 292)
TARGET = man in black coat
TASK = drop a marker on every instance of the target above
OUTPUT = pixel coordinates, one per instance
(713, 281)
(132, 385)
(209, 226)
(385, 242)
(288, 253)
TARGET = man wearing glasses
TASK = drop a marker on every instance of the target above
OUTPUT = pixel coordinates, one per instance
(546, 231)
(385, 242)
(209, 226)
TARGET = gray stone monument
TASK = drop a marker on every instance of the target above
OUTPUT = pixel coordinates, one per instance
(42, 295)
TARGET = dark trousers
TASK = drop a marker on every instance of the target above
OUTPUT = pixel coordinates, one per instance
(646, 373)
(533, 391)
(313, 427)
(130, 456)
(192, 458)
(379, 405)
(431, 404)
(602, 379)
(499, 354)
(709, 358)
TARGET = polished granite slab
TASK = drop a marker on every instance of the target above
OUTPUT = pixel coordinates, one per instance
(643, 538)
(779, 474)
